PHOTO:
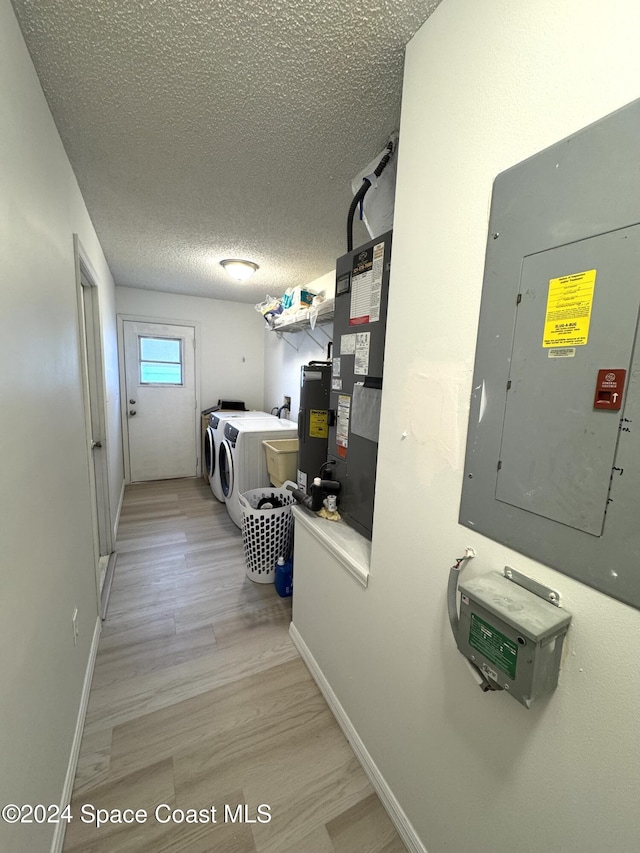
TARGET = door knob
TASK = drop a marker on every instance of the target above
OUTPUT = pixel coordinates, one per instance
(132, 412)
(95, 444)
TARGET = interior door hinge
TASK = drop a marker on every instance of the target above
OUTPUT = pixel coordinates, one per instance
(499, 464)
(508, 384)
(519, 299)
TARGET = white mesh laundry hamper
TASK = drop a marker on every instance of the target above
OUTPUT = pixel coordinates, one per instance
(267, 532)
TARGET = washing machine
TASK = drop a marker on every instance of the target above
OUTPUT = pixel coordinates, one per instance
(242, 462)
(212, 440)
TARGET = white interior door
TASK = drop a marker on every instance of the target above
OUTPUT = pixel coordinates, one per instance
(93, 387)
(93, 367)
(161, 402)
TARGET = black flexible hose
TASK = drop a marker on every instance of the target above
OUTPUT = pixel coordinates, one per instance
(362, 191)
(366, 183)
(381, 165)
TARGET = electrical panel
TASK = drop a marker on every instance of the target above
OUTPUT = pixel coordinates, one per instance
(511, 635)
(552, 465)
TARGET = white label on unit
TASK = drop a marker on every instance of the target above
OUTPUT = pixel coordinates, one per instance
(336, 384)
(336, 367)
(342, 422)
(563, 352)
(366, 285)
(376, 289)
(347, 344)
(361, 364)
(302, 480)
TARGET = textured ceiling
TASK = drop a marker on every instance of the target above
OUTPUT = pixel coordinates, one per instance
(205, 129)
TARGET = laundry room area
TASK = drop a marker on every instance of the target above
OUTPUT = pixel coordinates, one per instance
(200, 604)
(199, 694)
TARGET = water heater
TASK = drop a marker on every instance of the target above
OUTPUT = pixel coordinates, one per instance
(313, 421)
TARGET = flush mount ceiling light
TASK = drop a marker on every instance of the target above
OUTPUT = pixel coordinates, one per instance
(238, 269)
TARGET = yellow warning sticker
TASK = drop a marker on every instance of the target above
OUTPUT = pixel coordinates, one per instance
(318, 419)
(569, 310)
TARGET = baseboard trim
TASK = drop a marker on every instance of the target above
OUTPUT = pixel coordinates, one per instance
(116, 523)
(58, 835)
(392, 806)
(108, 582)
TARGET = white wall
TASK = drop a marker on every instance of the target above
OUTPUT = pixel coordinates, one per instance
(47, 550)
(285, 354)
(230, 336)
(487, 84)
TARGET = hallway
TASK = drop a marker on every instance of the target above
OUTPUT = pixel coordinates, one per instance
(200, 699)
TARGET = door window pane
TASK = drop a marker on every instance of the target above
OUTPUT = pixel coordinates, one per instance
(160, 361)
(160, 349)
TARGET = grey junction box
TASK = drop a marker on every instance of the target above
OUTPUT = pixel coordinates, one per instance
(512, 635)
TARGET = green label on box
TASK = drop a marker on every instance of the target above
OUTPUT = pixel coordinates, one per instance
(497, 648)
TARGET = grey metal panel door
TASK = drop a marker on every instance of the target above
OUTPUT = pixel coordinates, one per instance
(557, 451)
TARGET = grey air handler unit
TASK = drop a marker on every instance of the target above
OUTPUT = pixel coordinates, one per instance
(359, 328)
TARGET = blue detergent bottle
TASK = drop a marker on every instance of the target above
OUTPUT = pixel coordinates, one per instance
(284, 577)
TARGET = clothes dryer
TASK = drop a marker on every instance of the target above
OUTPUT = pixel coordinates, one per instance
(213, 438)
(242, 461)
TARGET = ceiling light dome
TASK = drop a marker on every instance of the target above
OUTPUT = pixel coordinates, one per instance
(239, 269)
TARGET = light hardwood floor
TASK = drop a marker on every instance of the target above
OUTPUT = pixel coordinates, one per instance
(200, 699)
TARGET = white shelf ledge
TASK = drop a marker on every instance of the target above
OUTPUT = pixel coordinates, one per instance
(349, 547)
